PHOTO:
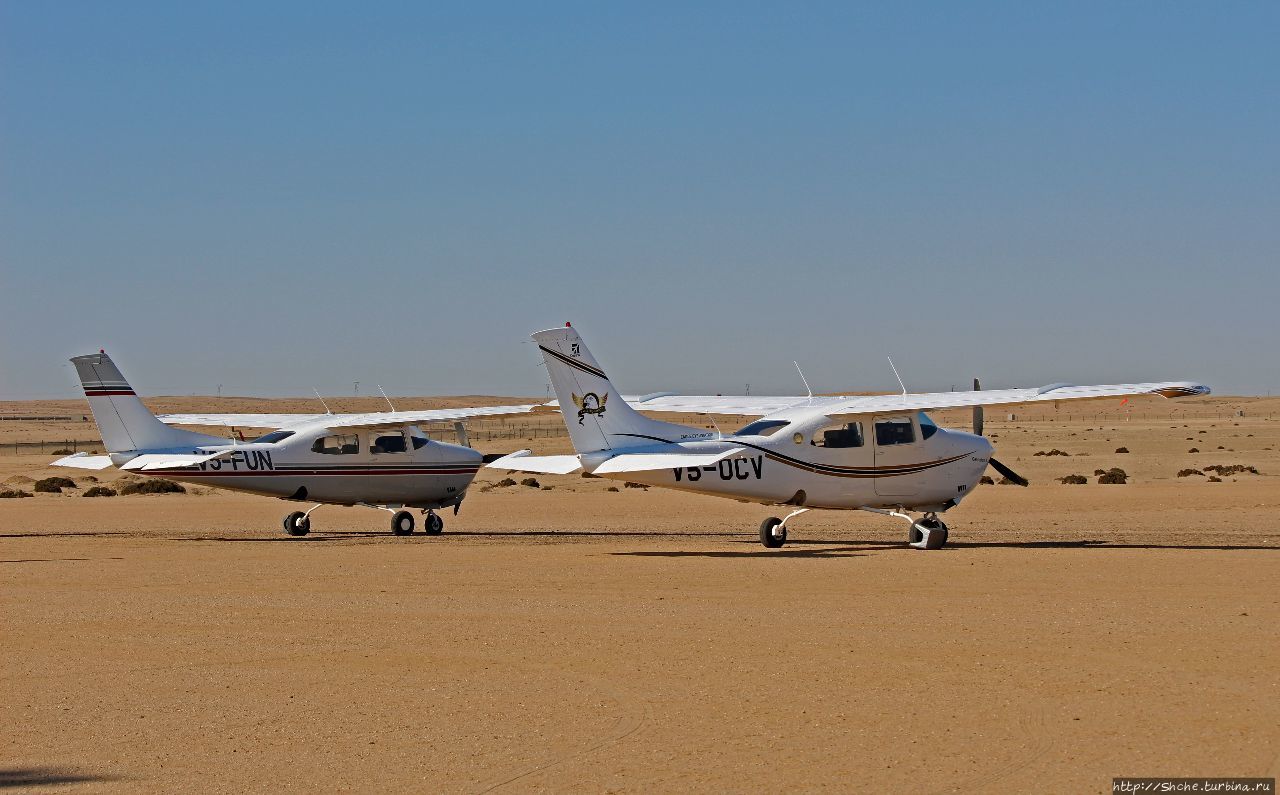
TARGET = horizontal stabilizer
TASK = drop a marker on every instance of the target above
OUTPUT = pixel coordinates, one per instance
(644, 462)
(149, 462)
(523, 461)
(84, 461)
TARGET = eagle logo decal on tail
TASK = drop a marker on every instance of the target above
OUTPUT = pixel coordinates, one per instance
(590, 403)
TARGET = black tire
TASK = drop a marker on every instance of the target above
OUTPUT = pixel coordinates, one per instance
(434, 524)
(297, 524)
(937, 534)
(767, 535)
(402, 523)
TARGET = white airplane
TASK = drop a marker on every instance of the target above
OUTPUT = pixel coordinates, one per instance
(380, 460)
(881, 453)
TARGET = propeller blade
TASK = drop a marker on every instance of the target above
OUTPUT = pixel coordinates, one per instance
(1009, 473)
(977, 411)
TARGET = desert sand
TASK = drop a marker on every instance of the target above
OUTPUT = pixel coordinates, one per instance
(578, 639)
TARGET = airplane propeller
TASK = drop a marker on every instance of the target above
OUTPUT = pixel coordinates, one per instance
(1013, 477)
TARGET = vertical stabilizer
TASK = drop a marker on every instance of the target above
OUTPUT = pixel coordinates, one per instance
(125, 423)
(595, 414)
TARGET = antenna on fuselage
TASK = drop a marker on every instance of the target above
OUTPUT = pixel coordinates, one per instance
(807, 388)
(384, 397)
(895, 375)
(322, 403)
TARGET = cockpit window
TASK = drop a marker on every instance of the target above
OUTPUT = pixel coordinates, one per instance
(846, 435)
(762, 428)
(419, 442)
(927, 426)
(388, 443)
(897, 430)
(273, 437)
(348, 444)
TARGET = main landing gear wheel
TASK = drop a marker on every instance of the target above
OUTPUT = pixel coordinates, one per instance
(297, 524)
(402, 523)
(927, 533)
(773, 533)
(433, 525)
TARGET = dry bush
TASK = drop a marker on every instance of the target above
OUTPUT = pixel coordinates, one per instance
(1186, 473)
(1115, 475)
(100, 491)
(1073, 480)
(1194, 450)
(505, 482)
(1214, 479)
(531, 483)
(986, 480)
(1122, 449)
(631, 485)
(1054, 451)
(62, 451)
(54, 485)
(10, 494)
(153, 486)
(1232, 469)
(612, 488)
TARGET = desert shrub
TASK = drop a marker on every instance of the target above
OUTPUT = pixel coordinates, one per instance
(505, 482)
(1115, 475)
(1005, 482)
(986, 480)
(530, 482)
(1231, 469)
(1214, 479)
(153, 486)
(57, 480)
(10, 494)
(612, 488)
(100, 491)
(54, 485)
(1054, 451)
(1099, 471)
(62, 451)
(1194, 450)
(547, 488)
(1122, 449)
(1186, 473)
(631, 485)
(1073, 480)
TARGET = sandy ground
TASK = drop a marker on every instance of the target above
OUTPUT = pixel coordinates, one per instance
(582, 640)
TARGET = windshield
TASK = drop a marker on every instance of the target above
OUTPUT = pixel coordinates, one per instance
(927, 426)
(274, 436)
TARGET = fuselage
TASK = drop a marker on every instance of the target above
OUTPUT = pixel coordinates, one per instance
(396, 466)
(873, 462)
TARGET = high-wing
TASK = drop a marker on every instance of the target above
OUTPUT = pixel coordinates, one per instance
(749, 405)
(365, 420)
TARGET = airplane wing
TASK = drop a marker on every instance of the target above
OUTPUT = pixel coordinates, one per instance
(366, 420)
(750, 405)
(877, 404)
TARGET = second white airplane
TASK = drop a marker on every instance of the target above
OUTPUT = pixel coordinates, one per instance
(880, 453)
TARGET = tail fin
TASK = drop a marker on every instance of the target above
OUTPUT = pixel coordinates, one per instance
(595, 413)
(125, 423)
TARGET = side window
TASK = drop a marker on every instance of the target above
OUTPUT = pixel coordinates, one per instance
(849, 435)
(896, 430)
(337, 445)
(419, 442)
(388, 443)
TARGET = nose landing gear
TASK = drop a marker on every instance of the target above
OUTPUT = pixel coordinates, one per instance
(928, 532)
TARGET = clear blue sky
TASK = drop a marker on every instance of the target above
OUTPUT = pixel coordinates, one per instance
(276, 196)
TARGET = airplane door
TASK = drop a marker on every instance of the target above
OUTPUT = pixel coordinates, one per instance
(897, 444)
